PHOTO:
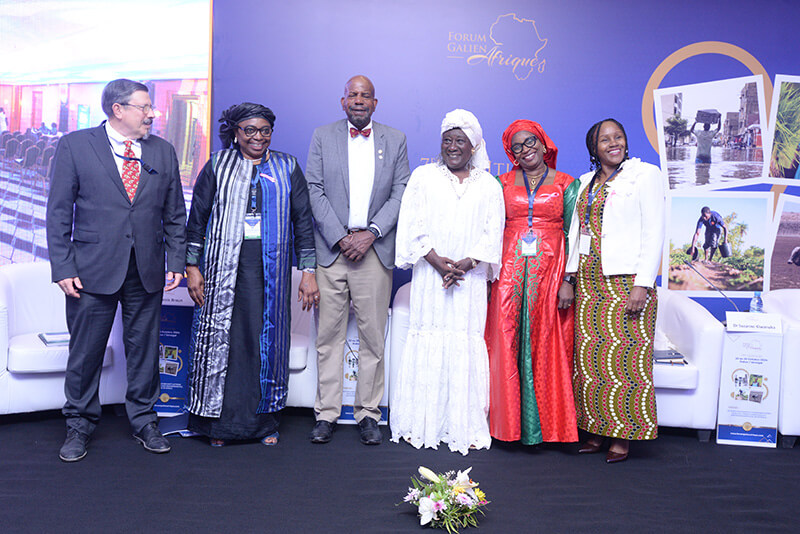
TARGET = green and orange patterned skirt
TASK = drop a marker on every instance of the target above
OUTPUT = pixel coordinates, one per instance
(613, 380)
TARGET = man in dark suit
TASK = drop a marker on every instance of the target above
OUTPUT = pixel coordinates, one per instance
(357, 171)
(115, 211)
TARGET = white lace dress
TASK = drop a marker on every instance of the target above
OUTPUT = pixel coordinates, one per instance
(442, 389)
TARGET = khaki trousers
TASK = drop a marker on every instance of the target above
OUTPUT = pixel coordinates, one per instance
(368, 285)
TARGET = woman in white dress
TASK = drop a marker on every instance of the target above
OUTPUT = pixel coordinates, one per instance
(450, 230)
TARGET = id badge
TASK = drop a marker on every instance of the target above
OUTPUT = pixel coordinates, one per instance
(529, 244)
(252, 226)
(585, 246)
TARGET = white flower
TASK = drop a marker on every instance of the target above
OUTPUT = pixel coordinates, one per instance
(430, 475)
(426, 511)
(463, 482)
(413, 495)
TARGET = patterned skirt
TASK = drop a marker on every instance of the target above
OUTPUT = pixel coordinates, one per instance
(613, 381)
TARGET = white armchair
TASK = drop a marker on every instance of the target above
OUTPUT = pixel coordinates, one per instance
(686, 396)
(786, 303)
(302, 352)
(303, 355)
(32, 373)
(401, 320)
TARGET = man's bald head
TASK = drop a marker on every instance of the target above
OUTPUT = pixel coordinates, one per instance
(359, 100)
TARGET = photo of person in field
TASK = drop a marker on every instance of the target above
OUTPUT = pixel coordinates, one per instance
(723, 244)
(785, 263)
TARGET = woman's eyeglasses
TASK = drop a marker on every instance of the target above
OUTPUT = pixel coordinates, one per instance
(250, 131)
(530, 142)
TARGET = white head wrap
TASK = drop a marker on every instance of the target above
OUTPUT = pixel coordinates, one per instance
(468, 123)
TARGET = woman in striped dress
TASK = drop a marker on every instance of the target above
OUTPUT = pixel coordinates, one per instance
(615, 239)
(249, 206)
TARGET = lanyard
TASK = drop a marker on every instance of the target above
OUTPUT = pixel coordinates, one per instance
(145, 166)
(254, 190)
(592, 195)
(532, 196)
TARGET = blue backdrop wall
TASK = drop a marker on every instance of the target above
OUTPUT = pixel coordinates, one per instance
(564, 64)
(590, 60)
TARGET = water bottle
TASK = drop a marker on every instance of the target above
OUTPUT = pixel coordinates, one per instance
(756, 304)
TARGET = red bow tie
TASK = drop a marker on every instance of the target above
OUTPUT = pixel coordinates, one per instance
(365, 132)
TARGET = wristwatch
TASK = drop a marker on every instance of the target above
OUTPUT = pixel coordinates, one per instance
(571, 280)
(374, 231)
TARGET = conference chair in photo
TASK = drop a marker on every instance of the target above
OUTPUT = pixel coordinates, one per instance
(23, 146)
(28, 165)
(44, 159)
(4, 139)
(12, 147)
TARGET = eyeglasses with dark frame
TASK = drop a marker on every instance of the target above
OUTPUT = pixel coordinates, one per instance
(146, 109)
(250, 131)
(530, 142)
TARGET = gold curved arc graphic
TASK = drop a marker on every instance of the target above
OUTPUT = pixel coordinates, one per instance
(696, 49)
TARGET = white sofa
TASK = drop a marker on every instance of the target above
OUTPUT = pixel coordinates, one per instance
(303, 355)
(32, 373)
(302, 352)
(686, 396)
(786, 303)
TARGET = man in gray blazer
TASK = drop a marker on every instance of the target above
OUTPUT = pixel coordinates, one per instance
(357, 171)
(114, 213)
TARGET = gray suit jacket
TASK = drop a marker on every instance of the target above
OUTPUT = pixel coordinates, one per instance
(92, 225)
(328, 180)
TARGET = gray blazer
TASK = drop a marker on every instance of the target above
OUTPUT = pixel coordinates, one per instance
(329, 188)
(92, 225)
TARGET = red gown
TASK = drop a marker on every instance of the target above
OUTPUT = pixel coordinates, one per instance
(528, 338)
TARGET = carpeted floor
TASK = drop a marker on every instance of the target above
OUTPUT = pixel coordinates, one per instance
(674, 484)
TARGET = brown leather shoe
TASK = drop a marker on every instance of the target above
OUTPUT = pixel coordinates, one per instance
(614, 457)
(587, 447)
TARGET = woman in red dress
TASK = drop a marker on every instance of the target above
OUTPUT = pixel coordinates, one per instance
(529, 328)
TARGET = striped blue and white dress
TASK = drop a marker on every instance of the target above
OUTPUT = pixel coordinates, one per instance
(240, 336)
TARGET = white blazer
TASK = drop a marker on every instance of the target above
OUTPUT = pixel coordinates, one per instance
(633, 223)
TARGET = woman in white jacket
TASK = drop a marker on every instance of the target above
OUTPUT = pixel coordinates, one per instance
(615, 243)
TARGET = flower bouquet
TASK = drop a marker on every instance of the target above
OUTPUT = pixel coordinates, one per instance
(449, 501)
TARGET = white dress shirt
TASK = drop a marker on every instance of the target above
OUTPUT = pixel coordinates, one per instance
(361, 170)
(117, 141)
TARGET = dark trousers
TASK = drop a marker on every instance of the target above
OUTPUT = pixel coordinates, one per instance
(89, 319)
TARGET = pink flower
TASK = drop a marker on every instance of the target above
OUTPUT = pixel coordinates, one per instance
(438, 506)
(464, 499)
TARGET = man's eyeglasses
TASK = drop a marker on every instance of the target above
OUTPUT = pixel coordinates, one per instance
(146, 109)
(250, 131)
(530, 142)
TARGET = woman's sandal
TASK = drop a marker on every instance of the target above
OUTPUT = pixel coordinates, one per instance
(271, 440)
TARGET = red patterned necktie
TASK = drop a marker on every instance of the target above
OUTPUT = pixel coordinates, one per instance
(365, 132)
(130, 171)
